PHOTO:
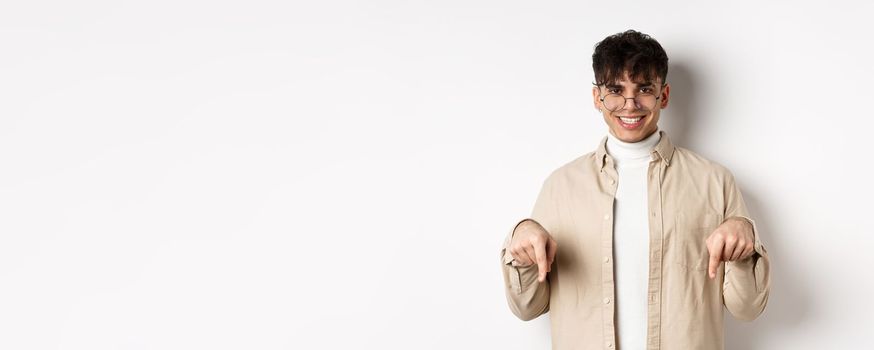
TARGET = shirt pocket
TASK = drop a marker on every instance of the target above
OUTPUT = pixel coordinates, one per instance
(690, 248)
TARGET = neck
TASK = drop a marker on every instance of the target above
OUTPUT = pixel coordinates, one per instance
(621, 150)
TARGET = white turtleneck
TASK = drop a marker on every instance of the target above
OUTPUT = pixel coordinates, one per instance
(631, 238)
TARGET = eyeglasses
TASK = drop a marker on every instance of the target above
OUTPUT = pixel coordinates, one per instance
(614, 102)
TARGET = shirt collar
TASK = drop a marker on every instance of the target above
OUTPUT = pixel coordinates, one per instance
(664, 149)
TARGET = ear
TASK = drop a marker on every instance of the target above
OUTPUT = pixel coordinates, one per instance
(666, 93)
(595, 99)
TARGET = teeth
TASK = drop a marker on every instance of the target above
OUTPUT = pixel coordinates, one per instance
(630, 120)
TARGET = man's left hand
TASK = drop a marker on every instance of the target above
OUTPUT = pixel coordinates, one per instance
(733, 240)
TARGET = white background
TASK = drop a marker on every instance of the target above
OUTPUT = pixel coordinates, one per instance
(341, 174)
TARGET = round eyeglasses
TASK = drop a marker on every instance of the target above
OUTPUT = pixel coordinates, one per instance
(615, 102)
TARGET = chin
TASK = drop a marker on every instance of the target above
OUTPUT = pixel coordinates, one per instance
(631, 135)
(628, 136)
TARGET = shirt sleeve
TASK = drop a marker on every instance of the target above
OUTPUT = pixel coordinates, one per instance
(746, 283)
(526, 297)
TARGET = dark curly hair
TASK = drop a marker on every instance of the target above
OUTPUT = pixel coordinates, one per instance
(639, 54)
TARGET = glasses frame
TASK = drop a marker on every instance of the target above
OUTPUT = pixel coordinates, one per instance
(636, 102)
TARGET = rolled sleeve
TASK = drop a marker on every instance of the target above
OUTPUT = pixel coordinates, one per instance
(746, 285)
(526, 297)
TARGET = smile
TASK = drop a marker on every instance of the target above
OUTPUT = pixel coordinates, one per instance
(631, 122)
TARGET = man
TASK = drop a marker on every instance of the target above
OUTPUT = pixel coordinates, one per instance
(639, 244)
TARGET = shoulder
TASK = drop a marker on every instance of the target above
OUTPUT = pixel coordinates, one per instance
(580, 168)
(694, 163)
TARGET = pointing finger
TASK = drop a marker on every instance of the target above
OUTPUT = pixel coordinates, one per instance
(715, 250)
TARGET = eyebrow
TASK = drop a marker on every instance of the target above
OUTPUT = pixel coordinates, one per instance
(617, 86)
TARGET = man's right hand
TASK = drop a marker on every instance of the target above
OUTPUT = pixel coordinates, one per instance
(531, 244)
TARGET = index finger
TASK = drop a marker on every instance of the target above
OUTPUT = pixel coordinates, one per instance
(715, 251)
(540, 256)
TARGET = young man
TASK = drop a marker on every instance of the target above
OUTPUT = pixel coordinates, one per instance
(639, 244)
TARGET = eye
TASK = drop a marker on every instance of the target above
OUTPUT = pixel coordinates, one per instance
(613, 91)
(646, 90)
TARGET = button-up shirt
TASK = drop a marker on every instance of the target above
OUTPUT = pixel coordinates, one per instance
(688, 198)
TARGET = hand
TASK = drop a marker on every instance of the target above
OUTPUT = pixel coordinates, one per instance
(733, 240)
(531, 244)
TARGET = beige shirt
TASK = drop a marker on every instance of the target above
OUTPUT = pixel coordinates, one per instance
(688, 198)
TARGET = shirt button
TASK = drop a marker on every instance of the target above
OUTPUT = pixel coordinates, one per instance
(606, 216)
(612, 182)
(606, 259)
(606, 300)
(609, 344)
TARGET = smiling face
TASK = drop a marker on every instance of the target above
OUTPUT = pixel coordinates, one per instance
(632, 122)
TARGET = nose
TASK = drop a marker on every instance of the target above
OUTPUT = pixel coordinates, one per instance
(634, 104)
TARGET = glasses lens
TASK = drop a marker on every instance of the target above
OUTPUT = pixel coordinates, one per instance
(614, 102)
(646, 101)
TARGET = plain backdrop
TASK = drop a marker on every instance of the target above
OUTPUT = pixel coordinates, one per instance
(341, 174)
